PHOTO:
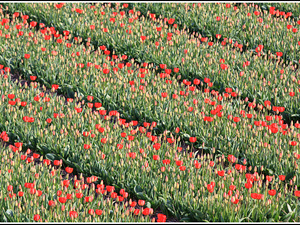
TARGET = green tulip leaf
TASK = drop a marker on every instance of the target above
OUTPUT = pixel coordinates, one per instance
(9, 212)
(51, 156)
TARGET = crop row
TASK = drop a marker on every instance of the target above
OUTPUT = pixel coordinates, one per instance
(132, 159)
(283, 9)
(176, 50)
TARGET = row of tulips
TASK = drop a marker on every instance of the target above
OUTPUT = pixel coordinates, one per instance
(240, 23)
(145, 95)
(34, 189)
(187, 185)
(283, 9)
(170, 49)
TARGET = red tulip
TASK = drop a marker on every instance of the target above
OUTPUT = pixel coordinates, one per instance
(210, 188)
(197, 165)
(9, 188)
(141, 202)
(79, 195)
(136, 212)
(164, 94)
(206, 80)
(69, 196)
(190, 109)
(133, 204)
(234, 200)
(92, 27)
(156, 157)
(90, 98)
(166, 161)
(153, 124)
(248, 185)
(18, 144)
(36, 217)
(146, 211)
(86, 146)
(11, 96)
(106, 71)
(91, 211)
(272, 192)
(66, 183)
(192, 139)
(171, 21)
(47, 162)
(232, 187)
(231, 158)
(196, 81)
(182, 168)
(88, 198)
(35, 155)
(23, 104)
(98, 212)
(62, 199)
(110, 188)
(179, 163)
(176, 70)
(236, 119)
(269, 178)
(256, 196)
(208, 118)
(98, 104)
(221, 173)
(156, 146)
(161, 218)
(69, 169)
(57, 162)
(73, 214)
(51, 203)
(233, 94)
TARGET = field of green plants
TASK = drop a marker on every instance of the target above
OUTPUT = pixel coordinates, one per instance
(149, 112)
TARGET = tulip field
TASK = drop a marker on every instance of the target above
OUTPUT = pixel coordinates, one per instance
(149, 112)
